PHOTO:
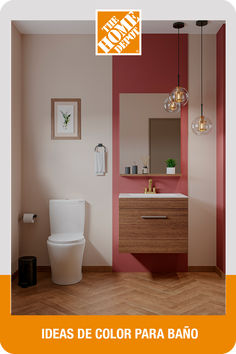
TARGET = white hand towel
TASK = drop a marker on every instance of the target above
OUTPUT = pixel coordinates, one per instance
(100, 162)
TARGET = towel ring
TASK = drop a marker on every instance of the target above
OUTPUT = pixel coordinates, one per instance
(100, 145)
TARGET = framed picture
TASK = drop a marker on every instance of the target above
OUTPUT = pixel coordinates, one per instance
(66, 118)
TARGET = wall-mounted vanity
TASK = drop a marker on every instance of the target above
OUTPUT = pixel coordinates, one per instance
(153, 223)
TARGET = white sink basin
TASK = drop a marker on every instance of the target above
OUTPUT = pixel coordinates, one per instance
(156, 195)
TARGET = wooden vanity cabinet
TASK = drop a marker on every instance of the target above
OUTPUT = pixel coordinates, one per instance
(155, 225)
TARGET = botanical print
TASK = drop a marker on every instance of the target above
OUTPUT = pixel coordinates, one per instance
(66, 118)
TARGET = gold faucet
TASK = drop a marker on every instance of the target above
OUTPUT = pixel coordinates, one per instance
(150, 190)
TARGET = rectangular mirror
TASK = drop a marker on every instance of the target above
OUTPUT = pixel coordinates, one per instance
(148, 134)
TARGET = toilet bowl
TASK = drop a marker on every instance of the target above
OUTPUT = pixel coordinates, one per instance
(66, 242)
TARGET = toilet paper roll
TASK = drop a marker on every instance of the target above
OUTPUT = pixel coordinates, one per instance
(29, 218)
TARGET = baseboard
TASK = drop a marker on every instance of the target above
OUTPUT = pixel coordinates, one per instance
(43, 269)
(201, 268)
(207, 269)
(103, 269)
(97, 269)
(14, 275)
(220, 273)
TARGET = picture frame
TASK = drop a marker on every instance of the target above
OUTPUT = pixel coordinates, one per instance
(65, 118)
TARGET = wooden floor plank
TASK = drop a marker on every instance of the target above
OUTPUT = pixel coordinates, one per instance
(107, 293)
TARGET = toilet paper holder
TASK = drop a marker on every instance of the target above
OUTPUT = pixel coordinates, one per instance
(29, 218)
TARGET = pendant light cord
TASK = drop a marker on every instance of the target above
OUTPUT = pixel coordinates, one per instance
(201, 77)
(178, 56)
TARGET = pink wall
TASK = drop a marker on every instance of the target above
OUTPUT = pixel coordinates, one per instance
(153, 72)
(220, 182)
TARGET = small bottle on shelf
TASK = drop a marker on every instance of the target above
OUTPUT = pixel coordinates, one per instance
(145, 170)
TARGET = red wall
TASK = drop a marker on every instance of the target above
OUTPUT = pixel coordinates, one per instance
(220, 181)
(153, 72)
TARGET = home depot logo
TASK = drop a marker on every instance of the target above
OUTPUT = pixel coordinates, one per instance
(118, 32)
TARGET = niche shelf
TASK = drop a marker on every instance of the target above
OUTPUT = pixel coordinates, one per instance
(145, 175)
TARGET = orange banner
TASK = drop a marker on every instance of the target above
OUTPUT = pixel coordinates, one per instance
(24, 334)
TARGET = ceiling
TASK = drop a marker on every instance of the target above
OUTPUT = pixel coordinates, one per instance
(88, 27)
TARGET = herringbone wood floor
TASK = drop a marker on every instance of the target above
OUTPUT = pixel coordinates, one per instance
(124, 294)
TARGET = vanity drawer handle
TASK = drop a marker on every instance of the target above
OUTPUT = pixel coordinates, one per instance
(154, 217)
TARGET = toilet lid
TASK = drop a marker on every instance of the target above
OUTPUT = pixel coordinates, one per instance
(66, 238)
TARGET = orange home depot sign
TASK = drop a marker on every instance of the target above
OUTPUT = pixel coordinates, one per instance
(118, 32)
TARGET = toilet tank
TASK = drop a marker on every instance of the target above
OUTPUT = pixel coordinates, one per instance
(66, 216)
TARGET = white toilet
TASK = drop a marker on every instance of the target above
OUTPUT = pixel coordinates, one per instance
(66, 242)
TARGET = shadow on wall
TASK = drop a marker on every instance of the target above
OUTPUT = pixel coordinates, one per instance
(162, 262)
(95, 257)
(36, 197)
(202, 223)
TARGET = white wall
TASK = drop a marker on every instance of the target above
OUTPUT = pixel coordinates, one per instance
(202, 155)
(135, 111)
(66, 66)
(16, 147)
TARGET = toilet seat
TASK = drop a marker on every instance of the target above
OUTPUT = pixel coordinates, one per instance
(64, 238)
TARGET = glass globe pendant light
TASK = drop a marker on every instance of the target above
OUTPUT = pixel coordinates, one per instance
(179, 94)
(201, 125)
(171, 106)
